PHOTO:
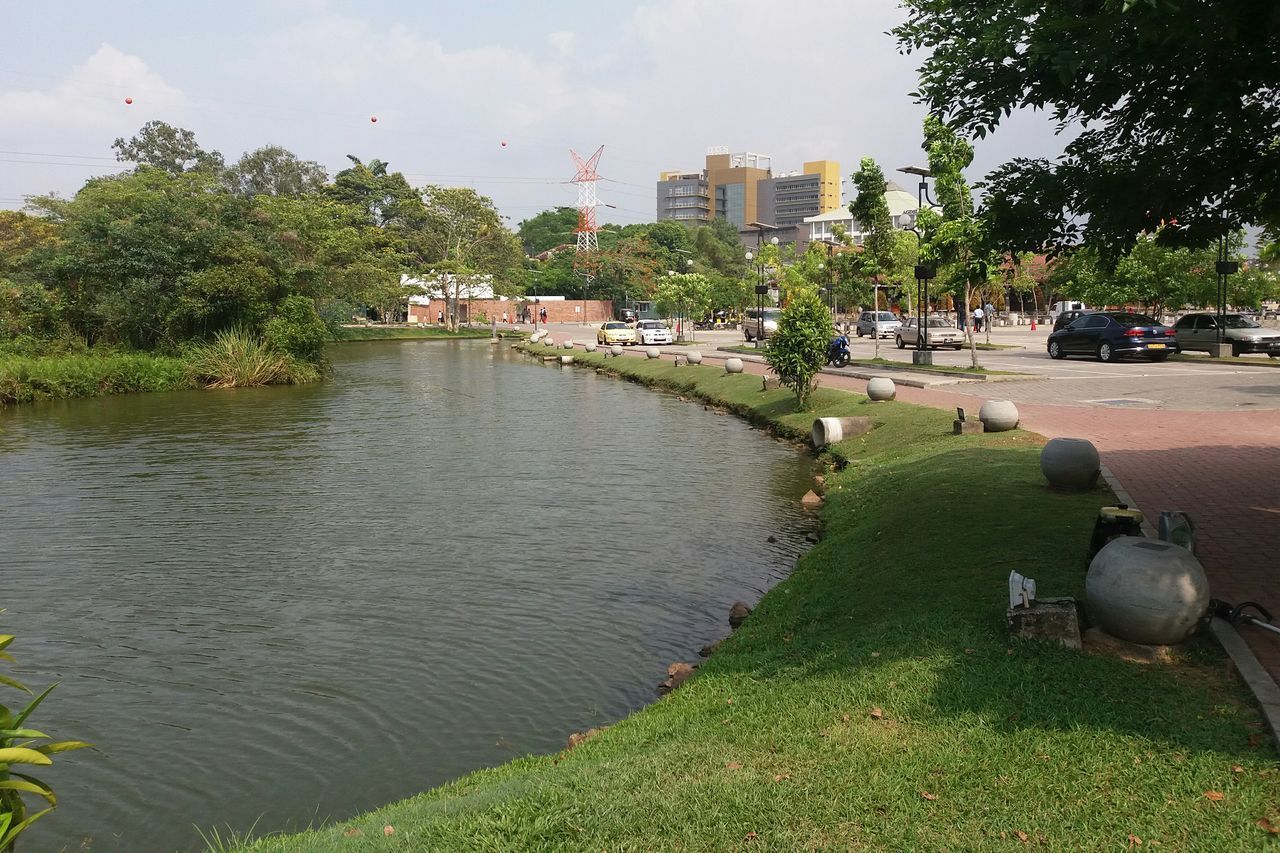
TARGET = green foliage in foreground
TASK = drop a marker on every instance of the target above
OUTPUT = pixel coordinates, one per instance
(874, 699)
(20, 746)
(25, 379)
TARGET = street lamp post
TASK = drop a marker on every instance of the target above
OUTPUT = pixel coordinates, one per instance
(923, 272)
(1224, 268)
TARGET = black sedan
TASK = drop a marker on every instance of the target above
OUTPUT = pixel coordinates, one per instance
(1107, 335)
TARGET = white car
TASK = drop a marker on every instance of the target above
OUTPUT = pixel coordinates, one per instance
(652, 332)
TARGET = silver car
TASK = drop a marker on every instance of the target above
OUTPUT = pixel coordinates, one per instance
(941, 333)
(879, 324)
(1200, 332)
(760, 325)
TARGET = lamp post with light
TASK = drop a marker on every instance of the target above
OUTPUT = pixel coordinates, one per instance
(924, 272)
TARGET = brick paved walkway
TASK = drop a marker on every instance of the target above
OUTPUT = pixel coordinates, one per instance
(1221, 468)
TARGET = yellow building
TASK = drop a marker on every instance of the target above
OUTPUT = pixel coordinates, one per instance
(743, 189)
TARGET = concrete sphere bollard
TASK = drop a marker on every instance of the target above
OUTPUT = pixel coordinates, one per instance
(653, 352)
(832, 430)
(568, 344)
(548, 341)
(733, 365)
(1146, 591)
(589, 346)
(566, 359)
(537, 336)
(615, 350)
(693, 357)
(880, 389)
(1070, 464)
(998, 415)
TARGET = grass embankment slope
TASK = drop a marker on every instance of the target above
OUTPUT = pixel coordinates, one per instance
(874, 699)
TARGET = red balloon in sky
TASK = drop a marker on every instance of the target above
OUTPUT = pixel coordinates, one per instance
(504, 143)
(128, 100)
(373, 119)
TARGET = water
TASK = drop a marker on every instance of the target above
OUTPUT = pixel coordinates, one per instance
(288, 605)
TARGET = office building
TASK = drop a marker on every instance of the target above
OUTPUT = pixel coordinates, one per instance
(742, 189)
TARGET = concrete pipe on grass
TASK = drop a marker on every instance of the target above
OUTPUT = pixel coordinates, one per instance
(833, 430)
(566, 359)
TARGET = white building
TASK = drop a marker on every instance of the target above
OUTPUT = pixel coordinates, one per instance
(822, 228)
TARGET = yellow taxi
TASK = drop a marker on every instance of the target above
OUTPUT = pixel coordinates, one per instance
(615, 332)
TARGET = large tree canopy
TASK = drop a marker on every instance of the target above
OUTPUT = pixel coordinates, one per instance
(1177, 103)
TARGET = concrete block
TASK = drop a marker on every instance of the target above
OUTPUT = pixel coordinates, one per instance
(1055, 620)
(922, 357)
(968, 427)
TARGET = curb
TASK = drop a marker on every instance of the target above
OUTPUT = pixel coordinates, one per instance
(1259, 681)
(859, 372)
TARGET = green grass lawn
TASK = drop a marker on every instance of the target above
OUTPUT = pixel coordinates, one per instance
(874, 699)
(24, 379)
(397, 333)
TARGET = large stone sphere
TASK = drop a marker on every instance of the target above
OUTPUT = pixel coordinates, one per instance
(1070, 464)
(568, 344)
(615, 350)
(589, 346)
(693, 357)
(1146, 591)
(653, 352)
(881, 388)
(551, 342)
(998, 415)
(733, 365)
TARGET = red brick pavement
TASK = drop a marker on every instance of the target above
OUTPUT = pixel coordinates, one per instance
(1221, 468)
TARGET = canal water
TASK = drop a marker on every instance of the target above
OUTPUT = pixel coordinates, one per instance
(278, 607)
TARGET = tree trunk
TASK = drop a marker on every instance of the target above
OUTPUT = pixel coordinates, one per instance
(968, 326)
(875, 323)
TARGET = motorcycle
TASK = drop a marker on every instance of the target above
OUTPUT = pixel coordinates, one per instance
(838, 354)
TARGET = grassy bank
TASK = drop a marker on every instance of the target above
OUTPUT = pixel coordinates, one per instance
(24, 379)
(874, 699)
(406, 333)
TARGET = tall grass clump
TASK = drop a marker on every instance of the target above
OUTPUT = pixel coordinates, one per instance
(237, 358)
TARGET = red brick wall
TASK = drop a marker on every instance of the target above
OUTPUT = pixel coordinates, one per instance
(558, 311)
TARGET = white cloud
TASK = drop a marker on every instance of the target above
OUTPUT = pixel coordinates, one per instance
(562, 41)
(92, 95)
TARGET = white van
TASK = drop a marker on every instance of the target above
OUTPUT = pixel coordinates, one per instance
(1058, 307)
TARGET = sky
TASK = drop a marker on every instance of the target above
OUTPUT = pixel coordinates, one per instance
(656, 83)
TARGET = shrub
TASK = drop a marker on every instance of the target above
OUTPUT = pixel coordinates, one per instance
(298, 329)
(799, 348)
(237, 358)
(23, 379)
(20, 745)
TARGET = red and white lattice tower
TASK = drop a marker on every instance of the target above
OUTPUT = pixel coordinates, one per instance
(586, 178)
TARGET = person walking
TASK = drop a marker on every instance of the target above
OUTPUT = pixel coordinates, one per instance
(440, 318)
(977, 319)
(504, 318)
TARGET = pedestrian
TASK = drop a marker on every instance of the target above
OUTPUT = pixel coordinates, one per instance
(542, 312)
(977, 319)
(504, 318)
(988, 314)
(440, 318)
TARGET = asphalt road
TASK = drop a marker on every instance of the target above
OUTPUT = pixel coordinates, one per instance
(1198, 384)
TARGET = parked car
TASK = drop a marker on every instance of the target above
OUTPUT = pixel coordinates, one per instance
(880, 324)
(652, 332)
(1200, 332)
(1107, 335)
(615, 332)
(1066, 318)
(1067, 305)
(755, 324)
(941, 332)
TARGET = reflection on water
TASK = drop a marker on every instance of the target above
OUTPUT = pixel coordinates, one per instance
(291, 604)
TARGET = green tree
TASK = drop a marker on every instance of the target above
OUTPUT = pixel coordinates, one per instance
(683, 295)
(1176, 102)
(172, 149)
(548, 229)
(273, 170)
(798, 349)
(954, 238)
(880, 238)
(461, 234)
(385, 197)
